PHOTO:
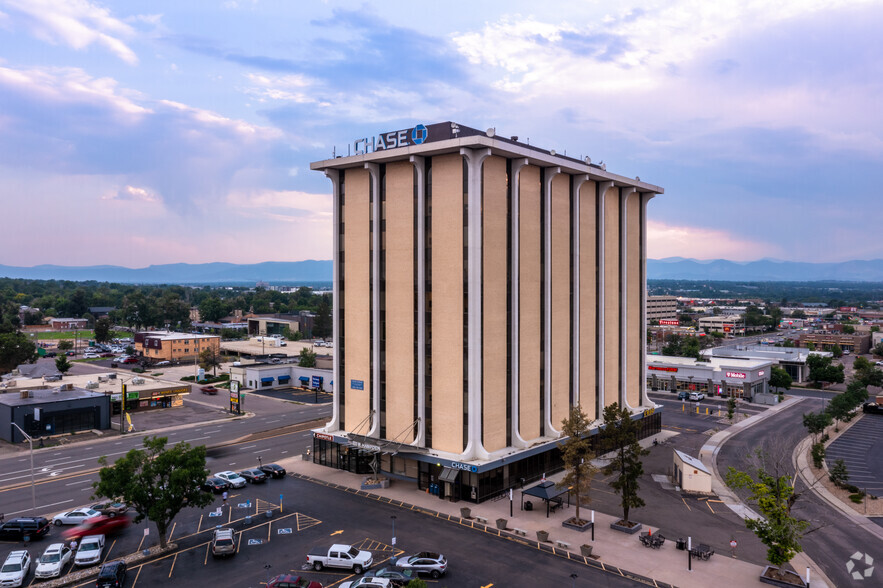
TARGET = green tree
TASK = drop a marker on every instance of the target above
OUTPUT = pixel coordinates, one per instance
(210, 359)
(816, 423)
(779, 378)
(620, 436)
(322, 322)
(212, 309)
(416, 583)
(773, 494)
(731, 408)
(839, 408)
(15, 349)
(839, 474)
(156, 481)
(836, 350)
(307, 357)
(576, 452)
(62, 364)
(862, 363)
(102, 330)
(65, 344)
(878, 349)
(798, 314)
(822, 370)
(848, 330)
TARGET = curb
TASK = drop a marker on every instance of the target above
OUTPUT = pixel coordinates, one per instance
(505, 535)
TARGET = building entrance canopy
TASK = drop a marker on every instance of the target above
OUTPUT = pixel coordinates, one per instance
(547, 492)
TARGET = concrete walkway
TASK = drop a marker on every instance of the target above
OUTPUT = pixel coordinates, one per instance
(613, 551)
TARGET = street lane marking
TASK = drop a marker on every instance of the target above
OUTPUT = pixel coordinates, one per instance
(39, 507)
(80, 482)
(194, 439)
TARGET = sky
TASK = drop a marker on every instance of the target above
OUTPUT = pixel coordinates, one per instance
(150, 132)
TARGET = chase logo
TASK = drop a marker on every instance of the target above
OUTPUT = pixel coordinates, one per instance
(419, 134)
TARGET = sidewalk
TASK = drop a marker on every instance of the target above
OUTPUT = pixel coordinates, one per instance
(613, 551)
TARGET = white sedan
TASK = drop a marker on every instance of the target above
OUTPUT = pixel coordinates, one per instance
(75, 517)
(232, 478)
(53, 560)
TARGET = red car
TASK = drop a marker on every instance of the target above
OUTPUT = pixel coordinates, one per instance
(103, 525)
(289, 581)
(130, 360)
(209, 390)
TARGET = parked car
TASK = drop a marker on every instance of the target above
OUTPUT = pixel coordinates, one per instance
(683, 395)
(273, 470)
(110, 508)
(399, 577)
(209, 390)
(232, 478)
(75, 517)
(697, 396)
(90, 355)
(289, 581)
(872, 407)
(425, 562)
(223, 543)
(24, 528)
(112, 575)
(102, 525)
(90, 550)
(369, 583)
(53, 560)
(130, 360)
(216, 485)
(162, 363)
(254, 476)
(51, 354)
(15, 568)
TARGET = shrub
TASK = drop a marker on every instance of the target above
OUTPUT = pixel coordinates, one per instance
(857, 497)
(818, 454)
(839, 474)
(138, 370)
(824, 438)
(852, 488)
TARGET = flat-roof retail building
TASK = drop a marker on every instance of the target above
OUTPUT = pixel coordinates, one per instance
(482, 287)
(737, 377)
(52, 411)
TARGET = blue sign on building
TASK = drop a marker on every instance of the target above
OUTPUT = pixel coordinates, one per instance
(316, 382)
(357, 384)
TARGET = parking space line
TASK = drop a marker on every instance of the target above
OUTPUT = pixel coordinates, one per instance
(238, 542)
(106, 555)
(199, 526)
(269, 529)
(175, 559)
(135, 581)
(709, 507)
(685, 504)
(141, 542)
(172, 532)
(205, 563)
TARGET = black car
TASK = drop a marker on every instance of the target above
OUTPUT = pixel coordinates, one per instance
(872, 407)
(254, 476)
(112, 575)
(273, 470)
(216, 485)
(24, 528)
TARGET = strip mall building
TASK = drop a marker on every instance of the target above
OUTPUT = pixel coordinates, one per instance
(482, 287)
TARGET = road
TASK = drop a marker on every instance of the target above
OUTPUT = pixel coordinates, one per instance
(831, 539)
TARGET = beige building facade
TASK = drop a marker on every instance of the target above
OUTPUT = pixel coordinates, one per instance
(482, 287)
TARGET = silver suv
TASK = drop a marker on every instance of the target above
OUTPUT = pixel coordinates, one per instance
(223, 543)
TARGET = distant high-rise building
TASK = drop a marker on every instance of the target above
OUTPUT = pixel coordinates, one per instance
(482, 287)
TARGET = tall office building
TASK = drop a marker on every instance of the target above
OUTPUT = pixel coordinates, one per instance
(482, 287)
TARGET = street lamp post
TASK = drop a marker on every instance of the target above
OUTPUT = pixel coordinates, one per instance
(33, 486)
(393, 517)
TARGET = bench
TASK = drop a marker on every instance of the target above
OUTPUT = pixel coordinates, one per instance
(521, 532)
(481, 520)
(562, 544)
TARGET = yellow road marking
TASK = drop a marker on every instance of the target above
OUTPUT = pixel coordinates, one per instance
(173, 565)
(685, 504)
(106, 555)
(488, 586)
(205, 563)
(269, 529)
(709, 508)
(172, 532)
(238, 542)
(136, 577)
(141, 542)
(336, 533)
(199, 526)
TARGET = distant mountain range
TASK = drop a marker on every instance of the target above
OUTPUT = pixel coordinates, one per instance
(318, 271)
(764, 270)
(273, 272)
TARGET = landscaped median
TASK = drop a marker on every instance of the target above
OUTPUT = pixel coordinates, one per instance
(133, 559)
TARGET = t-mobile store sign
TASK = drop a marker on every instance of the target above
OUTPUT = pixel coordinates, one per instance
(738, 375)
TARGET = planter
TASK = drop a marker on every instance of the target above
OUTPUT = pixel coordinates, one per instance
(501, 524)
(543, 536)
(374, 483)
(623, 528)
(465, 513)
(576, 524)
(775, 577)
(586, 550)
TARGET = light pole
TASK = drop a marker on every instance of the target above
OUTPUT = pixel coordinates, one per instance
(393, 517)
(33, 487)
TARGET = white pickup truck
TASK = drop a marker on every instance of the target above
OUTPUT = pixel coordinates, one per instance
(340, 556)
(90, 550)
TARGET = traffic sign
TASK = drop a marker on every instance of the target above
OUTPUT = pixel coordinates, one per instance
(285, 531)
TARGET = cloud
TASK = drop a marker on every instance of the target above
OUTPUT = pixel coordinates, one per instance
(184, 156)
(134, 194)
(76, 23)
(664, 240)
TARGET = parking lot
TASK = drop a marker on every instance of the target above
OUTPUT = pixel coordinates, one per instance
(861, 449)
(309, 516)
